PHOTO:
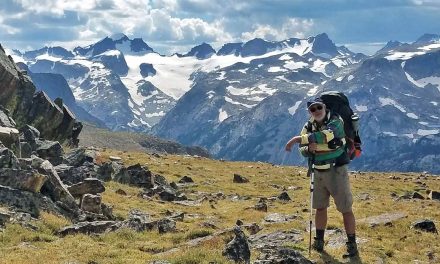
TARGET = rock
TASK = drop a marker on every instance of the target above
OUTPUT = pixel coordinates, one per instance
(73, 175)
(91, 203)
(239, 179)
(96, 227)
(281, 255)
(30, 134)
(89, 185)
(107, 171)
(77, 157)
(5, 118)
(364, 196)
(160, 180)
(25, 150)
(238, 248)
(383, 218)
(107, 211)
(32, 203)
(136, 175)
(114, 158)
(54, 187)
(166, 225)
(5, 217)
(8, 159)
(261, 206)
(239, 222)
(9, 136)
(139, 221)
(284, 196)
(29, 180)
(425, 225)
(253, 228)
(417, 195)
(434, 195)
(50, 150)
(121, 192)
(186, 179)
(275, 239)
(279, 218)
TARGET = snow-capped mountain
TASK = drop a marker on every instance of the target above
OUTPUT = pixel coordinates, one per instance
(144, 85)
(396, 92)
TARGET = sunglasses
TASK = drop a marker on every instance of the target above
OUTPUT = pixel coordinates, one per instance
(313, 109)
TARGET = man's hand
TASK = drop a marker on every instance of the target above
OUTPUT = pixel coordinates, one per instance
(292, 142)
(313, 147)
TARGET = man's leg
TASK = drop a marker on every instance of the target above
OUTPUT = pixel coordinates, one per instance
(320, 224)
(349, 223)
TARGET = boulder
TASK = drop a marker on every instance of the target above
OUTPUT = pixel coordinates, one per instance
(166, 225)
(89, 185)
(107, 171)
(30, 180)
(25, 149)
(434, 195)
(284, 196)
(30, 134)
(383, 219)
(107, 211)
(96, 227)
(5, 217)
(239, 179)
(72, 175)
(261, 206)
(5, 118)
(425, 225)
(9, 136)
(136, 175)
(77, 157)
(8, 159)
(54, 187)
(281, 255)
(50, 150)
(91, 203)
(186, 179)
(32, 203)
(33, 162)
(238, 248)
(139, 221)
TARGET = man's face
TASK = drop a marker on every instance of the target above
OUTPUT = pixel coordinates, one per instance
(317, 111)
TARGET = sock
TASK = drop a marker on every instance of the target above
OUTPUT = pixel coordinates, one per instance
(351, 238)
(320, 234)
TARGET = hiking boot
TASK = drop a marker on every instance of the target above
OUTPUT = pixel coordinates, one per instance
(352, 250)
(318, 245)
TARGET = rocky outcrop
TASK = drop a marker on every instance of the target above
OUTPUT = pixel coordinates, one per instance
(54, 121)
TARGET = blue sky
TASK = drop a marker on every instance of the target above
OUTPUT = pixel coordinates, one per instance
(176, 25)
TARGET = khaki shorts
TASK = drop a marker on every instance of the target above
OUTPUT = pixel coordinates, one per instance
(334, 182)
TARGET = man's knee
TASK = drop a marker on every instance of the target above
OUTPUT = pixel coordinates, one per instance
(321, 210)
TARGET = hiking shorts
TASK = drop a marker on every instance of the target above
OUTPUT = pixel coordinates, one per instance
(334, 182)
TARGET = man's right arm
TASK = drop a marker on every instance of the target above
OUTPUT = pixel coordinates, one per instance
(304, 148)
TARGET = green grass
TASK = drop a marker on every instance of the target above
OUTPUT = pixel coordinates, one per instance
(395, 244)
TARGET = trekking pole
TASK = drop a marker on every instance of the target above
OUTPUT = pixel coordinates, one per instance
(312, 179)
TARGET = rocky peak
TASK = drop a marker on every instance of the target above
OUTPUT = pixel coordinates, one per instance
(322, 44)
(427, 38)
(202, 51)
(231, 48)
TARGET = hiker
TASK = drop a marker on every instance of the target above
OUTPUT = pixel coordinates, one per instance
(322, 140)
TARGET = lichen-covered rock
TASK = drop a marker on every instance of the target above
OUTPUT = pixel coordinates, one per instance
(29, 180)
(77, 157)
(8, 159)
(91, 203)
(136, 175)
(238, 248)
(89, 185)
(166, 225)
(50, 150)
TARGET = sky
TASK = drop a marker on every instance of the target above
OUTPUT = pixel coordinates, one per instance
(170, 26)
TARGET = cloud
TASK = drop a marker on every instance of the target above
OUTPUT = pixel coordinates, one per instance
(292, 27)
(171, 24)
